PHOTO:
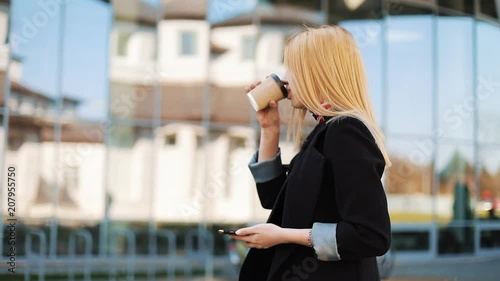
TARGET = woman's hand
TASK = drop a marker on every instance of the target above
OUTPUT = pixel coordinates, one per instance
(269, 117)
(261, 236)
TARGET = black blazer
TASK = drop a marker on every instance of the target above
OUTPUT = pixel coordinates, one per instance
(335, 178)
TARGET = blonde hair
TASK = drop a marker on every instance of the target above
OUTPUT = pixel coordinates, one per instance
(325, 65)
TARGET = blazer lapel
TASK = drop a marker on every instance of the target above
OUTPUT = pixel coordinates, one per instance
(276, 212)
(302, 188)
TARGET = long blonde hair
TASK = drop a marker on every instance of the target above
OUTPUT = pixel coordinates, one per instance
(325, 65)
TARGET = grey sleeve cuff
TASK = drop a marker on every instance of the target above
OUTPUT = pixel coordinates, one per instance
(325, 241)
(267, 170)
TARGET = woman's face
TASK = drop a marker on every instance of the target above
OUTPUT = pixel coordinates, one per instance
(289, 84)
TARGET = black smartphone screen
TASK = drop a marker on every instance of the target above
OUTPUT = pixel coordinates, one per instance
(226, 231)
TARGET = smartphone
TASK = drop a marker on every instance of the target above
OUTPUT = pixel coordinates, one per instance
(227, 231)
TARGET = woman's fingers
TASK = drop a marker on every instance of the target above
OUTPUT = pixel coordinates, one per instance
(252, 86)
(251, 245)
(273, 104)
(244, 238)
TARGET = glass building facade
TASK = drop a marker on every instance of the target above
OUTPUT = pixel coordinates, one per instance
(429, 63)
(130, 132)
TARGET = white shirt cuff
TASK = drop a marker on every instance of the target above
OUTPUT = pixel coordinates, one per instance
(325, 241)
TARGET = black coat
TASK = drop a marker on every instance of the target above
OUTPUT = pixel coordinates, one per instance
(335, 178)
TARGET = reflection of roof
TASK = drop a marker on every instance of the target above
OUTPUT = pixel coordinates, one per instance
(79, 131)
(18, 87)
(68, 99)
(138, 11)
(26, 91)
(185, 9)
(135, 10)
(277, 14)
(184, 102)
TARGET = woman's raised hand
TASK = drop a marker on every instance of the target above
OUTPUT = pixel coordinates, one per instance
(269, 117)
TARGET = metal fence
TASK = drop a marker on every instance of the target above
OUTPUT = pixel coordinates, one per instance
(133, 253)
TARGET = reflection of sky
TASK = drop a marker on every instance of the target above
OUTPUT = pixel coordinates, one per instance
(410, 77)
(410, 67)
(489, 81)
(86, 54)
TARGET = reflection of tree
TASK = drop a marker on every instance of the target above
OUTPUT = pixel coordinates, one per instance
(457, 178)
(457, 169)
(405, 177)
(460, 169)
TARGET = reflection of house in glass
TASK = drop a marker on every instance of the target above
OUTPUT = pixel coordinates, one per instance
(151, 153)
(170, 154)
(32, 121)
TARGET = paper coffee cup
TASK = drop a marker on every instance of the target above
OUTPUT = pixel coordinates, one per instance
(270, 89)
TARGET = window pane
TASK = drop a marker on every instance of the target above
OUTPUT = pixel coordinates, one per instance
(455, 198)
(34, 162)
(488, 87)
(55, 136)
(456, 188)
(489, 183)
(123, 40)
(408, 181)
(410, 240)
(129, 172)
(4, 50)
(85, 72)
(455, 83)
(188, 43)
(410, 75)
(456, 239)
(490, 238)
(248, 47)
(180, 171)
(368, 35)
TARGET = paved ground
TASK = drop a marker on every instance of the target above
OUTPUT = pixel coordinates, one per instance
(474, 269)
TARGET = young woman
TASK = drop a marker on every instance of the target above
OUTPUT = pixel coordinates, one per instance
(329, 216)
